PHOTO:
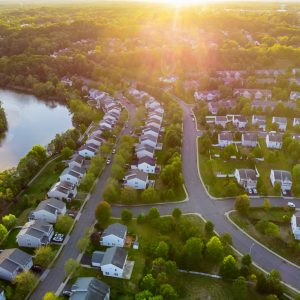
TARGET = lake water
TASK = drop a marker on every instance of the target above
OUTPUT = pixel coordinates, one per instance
(31, 121)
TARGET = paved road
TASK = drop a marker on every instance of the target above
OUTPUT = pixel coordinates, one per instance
(57, 274)
(200, 202)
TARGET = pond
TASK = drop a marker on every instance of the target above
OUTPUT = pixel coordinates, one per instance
(31, 121)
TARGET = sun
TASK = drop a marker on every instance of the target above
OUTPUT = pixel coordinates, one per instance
(182, 2)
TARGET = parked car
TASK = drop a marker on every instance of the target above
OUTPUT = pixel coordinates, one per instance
(58, 237)
(108, 161)
(67, 293)
(36, 268)
(113, 151)
(291, 204)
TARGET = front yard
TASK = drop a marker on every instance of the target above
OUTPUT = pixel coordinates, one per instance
(284, 243)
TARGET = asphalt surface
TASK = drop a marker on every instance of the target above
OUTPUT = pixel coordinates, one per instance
(199, 202)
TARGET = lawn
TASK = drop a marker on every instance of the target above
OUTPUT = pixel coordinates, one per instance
(46, 179)
(285, 245)
(10, 241)
(197, 287)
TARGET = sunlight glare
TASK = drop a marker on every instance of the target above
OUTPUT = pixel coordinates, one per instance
(182, 2)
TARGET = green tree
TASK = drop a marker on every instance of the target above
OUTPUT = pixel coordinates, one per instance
(43, 256)
(162, 250)
(25, 282)
(193, 251)
(83, 242)
(66, 152)
(50, 296)
(153, 214)
(246, 260)
(3, 232)
(266, 205)
(240, 288)
(277, 189)
(214, 249)
(9, 221)
(242, 204)
(103, 213)
(296, 179)
(168, 292)
(63, 224)
(148, 282)
(176, 213)
(229, 268)
(150, 195)
(70, 266)
(209, 227)
(126, 216)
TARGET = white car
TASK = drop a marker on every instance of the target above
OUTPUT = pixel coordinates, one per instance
(291, 204)
(108, 162)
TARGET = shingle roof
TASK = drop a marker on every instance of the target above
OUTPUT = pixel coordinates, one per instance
(116, 229)
(13, 259)
(247, 174)
(116, 256)
(148, 160)
(250, 136)
(274, 137)
(282, 175)
(132, 174)
(226, 136)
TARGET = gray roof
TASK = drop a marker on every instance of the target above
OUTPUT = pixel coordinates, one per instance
(116, 256)
(97, 257)
(226, 136)
(89, 288)
(116, 229)
(279, 120)
(12, 259)
(51, 205)
(148, 160)
(221, 119)
(131, 174)
(246, 174)
(282, 175)
(250, 136)
(275, 137)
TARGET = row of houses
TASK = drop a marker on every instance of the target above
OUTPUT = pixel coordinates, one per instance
(247, 178)
(241, 121)
(145, 163)
(255, 94)
(250, 139)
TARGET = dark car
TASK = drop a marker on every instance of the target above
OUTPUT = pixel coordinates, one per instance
(67, 293)
(36, 269)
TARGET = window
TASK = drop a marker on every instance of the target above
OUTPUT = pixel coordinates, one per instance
(106, 273)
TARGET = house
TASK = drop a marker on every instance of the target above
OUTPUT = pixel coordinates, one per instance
(154, 123)
(2, 294)
(146, 164)
(63, 190)
(295, 224)
(214, 107)
(282, 123)
(274, 140)
(249, 139)
(48, 210)
(225, 139)
(294, 95)
(113, 262)
(144, 151)
(239, 121)
(221, 120)
(296, 121)
(94, 139)
(89, 288)
(246, 178)
(114, 235)
(148, 140)
(260, 121)
(35, 234)
(284, 178)
(256, 94)
(150, 130)
(68, 175)
(76, 161)
(207, 95)
(88, 150)
(105, 125)
(155, 116)
(12, 262)
(66, 81)
(136, 179)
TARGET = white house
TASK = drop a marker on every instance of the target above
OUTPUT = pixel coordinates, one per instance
(295, 95)
(114, 235)
(136, 179)
(35, 234)
(12, 262)
(149, 130)
(274, 141)
(249, 139)
(114, 261)
(144, 151)
(246, 178)
(147, 165)
(48, 210)
(295, 224)
(283, 177)
(260, 121)
(155, 116)
(225, 139)
(89, 288)
(88, 150)
(63, 190)
(296, 121)
(282, 123)
(239, 121)
(207, 95)
(221, 120)
(68, 175)
(105, 124)
(154, 123)
(94, 139)
(148, 140)
(76, 161)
